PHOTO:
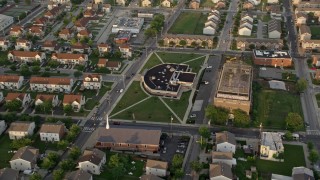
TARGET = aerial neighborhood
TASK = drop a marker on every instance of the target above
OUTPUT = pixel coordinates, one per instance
(167, 89)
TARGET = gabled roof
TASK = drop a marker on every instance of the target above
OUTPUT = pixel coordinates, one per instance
(305, 29)
(84, 32)
(45, 97)
(21, 40)
(103, 45)
(25, 53)
(20, 126)
(274, 25)
(220, 169)
(9, 78)
(301, 14)
(79, 45)
(49, 43)
(101, 61)
(41, 20)
(70, 98)
(68, 56)
(91, 76)
(50, 80)
(35, 29)
(156, 164)
(78, 175)
(302, 173)
(82, 22)
(150, 177)
(8, 174)
(113, 64)
(225, 136)
(26, 153)
(94, 156)
(52, 128)
(65, 31)
(16, 28)
(12, 96)
(222, 155)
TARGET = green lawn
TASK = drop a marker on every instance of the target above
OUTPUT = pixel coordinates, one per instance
(152, 61)
(207, 3)
(315, 32)
(4, 148)
(90, 104)
(150, 110)
(196, 64)
(266, 18)
(43, 146)
(273, 107)
(318, 99)
(176, 57)
(293, 157)
(189, 23)
(132, 95)
(179, 106)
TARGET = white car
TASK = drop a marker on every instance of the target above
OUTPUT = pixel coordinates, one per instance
(206, 82)
(209, 67)
(193, 115)
(121, 90)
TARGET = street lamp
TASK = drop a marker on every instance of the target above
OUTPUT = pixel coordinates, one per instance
(107, 119)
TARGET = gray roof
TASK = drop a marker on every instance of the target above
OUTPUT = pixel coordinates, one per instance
(78, 175)
(220, 169)
(302, 173)
(150, 177)
(305, 29)
(129, 135)
(225, 136)
(27, 153)
(274, 25)
(94, 156)
(9, 174)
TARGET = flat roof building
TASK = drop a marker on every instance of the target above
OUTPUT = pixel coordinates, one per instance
(5, 21)
(234, 89)
(128, 24)
(272, 58)
(271, 145)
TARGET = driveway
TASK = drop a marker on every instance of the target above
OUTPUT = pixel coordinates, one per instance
(260, 29)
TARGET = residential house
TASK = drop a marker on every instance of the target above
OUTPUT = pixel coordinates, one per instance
(301, 18)
(256, 2)
(23, 44)
(273, 1)
(224, 157)
(315, 11)
(120, 138)
(36, 31)
(166, 3)
(221, 4)
(146, 3)
(52, 132)
(248, 5)
(113, 65)
(75, 100)
(84, 34)
(78, 175)
(4, 44)
(121, 2)
(42, 21)
(220, 171)
(275, 11)
(225, 142)
(66, 34)
(3, 127)
(302, 173)
(92, 161)
(247, 16)
(89, 13)
(274, 29)
(317, 75)
(25, 98)
(122, 37)
(11, 82)
(80, 48)
(41, 98)
(93, 6)
(25, 159)
(304, 32)
(271, 145)
(66, 58)
(125, 50)
(51, 5)
(211, 24)
(26, 56)
(106, 8)
(51, 84)
(102, 62)
(50, 46)
(209, 30)
(214, 15)
(157, 168)
(92, 81)
(315, 60)
(16, 31)
(82, 24)
(9, 174)
(103, 48)
(197, 39)
(21, 129)
(53, 13)
(194, 4)
(244, 43)
(246, 25)
(272, 58)
(150, 177)
(310, 44)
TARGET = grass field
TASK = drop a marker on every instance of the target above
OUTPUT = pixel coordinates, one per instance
(152, 61)
(315, 32)
(273, 107)
(196, 65)
(189, 23)
(176, 57)
(4, 148)
(207, 3)
(179, 106)
(293, 157)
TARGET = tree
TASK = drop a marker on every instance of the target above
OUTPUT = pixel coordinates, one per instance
(114, 161)
(118, 171)
(204, 132)
(196, 166)
(150, 32)
(75, 153)
(58, 174)
(204, 43)
(62, 145)
(45, 107)
(252, 46)
(13, 67)
(67, 109)
(288, 136)
(73, 41)
(90, 42)
(178, 173)
(241, 118)
(313, 156)
(182, 42)
(19, 143)
(161, 42)
(67, 165)
(117, 54)
(75, 129)
(24, 70)
(310, 146)
(217, 115)
(294, 122)
(13, 105)
(301, 85)
(35, 69)
(50, 161)
(35, 176)
(28, 2)
(171, 43)
(80, 67)
(53, 64)
(177, 161)
(194, 44)
(263, 47)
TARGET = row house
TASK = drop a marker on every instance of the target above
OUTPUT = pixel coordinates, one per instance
(42, 21)
(82, 24)
(66, 34)
(246, 25)
(36, 31)
(25, 159)
(13, 82)
(310, 44)
(24, 98)
(66, 58)
(248, 5)
(21, 129)
(103, 48)
(41, 98)
(23, 44)
(53, 13)
(84, 34)
(50, 46)
(80, 48)
(125, 50)
(111, 65)
(92, 81)
(75, 100)
(275, 11)
(244, 43)
(166, 3)
(16, 31)
(306, 4)
(26, 56)
(146, 3)
(4, 43)
(194, 4)
(315, 11)
(51, 84)
(52, 132)
(211, 25)
(304, 33)
(92, 6)
(89, 13)
(92, 161)
(274, 29)
(301, 18)
(198, 39)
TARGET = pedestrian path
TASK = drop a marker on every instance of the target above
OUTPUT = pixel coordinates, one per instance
(194, 59)
(173, 113)
(159, 58)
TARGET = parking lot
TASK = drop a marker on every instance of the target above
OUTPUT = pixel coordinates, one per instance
(173, 145)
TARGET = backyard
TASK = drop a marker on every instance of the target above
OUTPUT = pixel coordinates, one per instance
(189, 23)
(315, 32)
(273, 107)
(207, 3)
(5, 155)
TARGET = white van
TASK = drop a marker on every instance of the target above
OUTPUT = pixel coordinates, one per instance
(121, 90)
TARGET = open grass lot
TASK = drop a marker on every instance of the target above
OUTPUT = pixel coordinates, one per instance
(318, 99)
(315, 32)
(293, 157)
(189, 23)
(150, 110)
(179, 106)
(43, 146)
(152, 61)
(207, 3)
(273, 107)
(176, 57)
(132, 95)
(4, 148)
(196, 64)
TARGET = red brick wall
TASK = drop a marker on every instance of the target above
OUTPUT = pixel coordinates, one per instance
(285, 62)
(128, 147)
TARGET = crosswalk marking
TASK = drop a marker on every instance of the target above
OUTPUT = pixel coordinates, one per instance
(88, 129)
(313, 132)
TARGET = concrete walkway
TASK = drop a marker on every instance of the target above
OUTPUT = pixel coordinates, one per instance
(159, 58)
(173, 113)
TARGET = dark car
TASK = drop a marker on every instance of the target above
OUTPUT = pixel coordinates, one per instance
(116, 123)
